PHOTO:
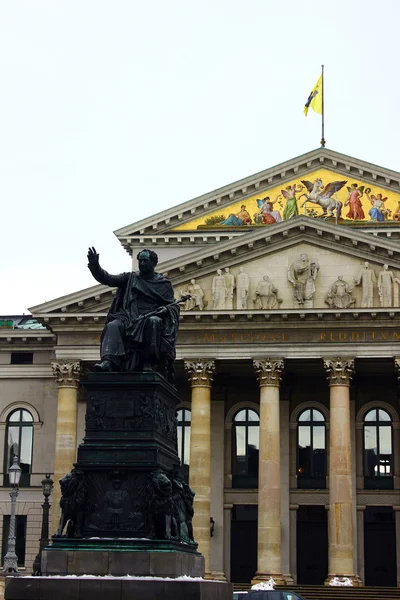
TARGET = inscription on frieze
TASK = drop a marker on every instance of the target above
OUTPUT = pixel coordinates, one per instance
(300, 335)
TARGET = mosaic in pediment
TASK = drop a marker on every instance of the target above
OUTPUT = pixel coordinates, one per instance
(322, 194)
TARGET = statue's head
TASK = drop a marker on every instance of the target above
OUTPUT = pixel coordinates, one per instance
(386, 267)
(192, 281)
(303, 257)
(147, 260)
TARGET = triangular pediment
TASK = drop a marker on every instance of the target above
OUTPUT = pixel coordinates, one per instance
(339, 251)
(202, 215)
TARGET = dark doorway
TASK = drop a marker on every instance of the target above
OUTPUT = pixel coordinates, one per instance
(244, 543)
(312, 545)
(380, 546)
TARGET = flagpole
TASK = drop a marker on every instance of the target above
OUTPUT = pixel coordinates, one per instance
(323, 115)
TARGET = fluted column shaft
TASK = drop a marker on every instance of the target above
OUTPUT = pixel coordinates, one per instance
(67, 376)
(340, 523)
(269, 560)
(200, 375)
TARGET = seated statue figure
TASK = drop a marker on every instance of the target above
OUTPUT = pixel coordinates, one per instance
(142, 323)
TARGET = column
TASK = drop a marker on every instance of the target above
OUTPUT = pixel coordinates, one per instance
(397, 525)
(227, 540)
(67, 377)
(293, 508)
(360, 542)
(200, 374)
(269, 558)
(340, 515)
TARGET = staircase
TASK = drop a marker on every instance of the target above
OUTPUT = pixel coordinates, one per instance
(329, 592)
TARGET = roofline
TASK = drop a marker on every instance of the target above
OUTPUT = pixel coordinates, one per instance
(322, 152)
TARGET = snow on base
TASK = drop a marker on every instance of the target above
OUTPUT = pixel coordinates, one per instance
(136, 577)
(265, 585)
(337, 581)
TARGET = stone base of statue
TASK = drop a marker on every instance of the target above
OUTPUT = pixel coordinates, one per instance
(114, 588)
(126, 509)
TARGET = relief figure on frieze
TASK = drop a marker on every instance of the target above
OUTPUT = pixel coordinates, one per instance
(266, 296)
(367, 279)
(219, 291)
(242, 289)
(302, 275)
(385, 286)
(195, 293)
(339, 295)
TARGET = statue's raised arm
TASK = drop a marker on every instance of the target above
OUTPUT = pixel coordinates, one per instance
(100, 274)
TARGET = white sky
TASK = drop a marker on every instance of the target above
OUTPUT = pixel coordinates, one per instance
(114, 110)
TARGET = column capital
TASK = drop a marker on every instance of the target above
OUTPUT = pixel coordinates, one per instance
(200, 372)
(268, 371)
(66, 372)
(340, 370)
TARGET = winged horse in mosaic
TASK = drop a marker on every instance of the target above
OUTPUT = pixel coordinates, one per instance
(318, 194)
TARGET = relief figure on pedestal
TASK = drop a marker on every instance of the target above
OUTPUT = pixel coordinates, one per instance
(302, 275)
(219, 291)
(242, 289)
(266, 295)
(195, 300)
(116, 502)
(385, 286)
(142, 323)
(230, 286)
(366, 277)
(339, 296)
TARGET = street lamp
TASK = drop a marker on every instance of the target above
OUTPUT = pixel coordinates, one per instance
(10, 566)
(47, 488)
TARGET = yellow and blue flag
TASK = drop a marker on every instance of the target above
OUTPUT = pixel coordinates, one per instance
(315, 98)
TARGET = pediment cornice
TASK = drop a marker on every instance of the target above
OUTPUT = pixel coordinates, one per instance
(155, 228)
(262, 242)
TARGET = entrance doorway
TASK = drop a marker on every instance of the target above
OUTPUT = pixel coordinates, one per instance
(380, 546)
(312, 545)
(244, 543)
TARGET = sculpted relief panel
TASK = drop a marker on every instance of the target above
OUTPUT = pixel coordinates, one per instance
(296, 278)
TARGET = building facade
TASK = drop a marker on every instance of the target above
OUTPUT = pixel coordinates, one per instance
(287, 368)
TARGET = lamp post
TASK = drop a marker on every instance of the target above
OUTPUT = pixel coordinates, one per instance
(47, 488)
(10, 566)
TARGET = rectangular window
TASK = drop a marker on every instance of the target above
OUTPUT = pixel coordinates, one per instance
(20, 536)
(21, 358)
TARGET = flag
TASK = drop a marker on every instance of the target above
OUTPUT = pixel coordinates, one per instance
(315, 98)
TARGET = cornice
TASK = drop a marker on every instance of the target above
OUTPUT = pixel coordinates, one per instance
(21, 337)
(25, 371)
(259, 182)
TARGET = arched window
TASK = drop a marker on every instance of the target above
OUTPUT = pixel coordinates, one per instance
(245, 447)
(311, 450)
(19, 442)
(184, 420)
(378, 450)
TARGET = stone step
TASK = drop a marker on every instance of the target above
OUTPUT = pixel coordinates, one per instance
(321, 592)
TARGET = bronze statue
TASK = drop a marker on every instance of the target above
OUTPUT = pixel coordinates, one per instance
(142, 323)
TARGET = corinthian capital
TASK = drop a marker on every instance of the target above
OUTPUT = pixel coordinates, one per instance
(66, 373)
(340, 370)
(269, 371)
(200, 372)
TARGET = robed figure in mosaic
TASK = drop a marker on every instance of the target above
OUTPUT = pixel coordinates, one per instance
(142, 323)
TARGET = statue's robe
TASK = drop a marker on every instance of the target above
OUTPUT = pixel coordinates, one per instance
(130, 329)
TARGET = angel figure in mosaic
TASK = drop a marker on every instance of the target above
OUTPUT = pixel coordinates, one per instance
(291, 209)
(377, 212)
(353, 201)
(323, 196)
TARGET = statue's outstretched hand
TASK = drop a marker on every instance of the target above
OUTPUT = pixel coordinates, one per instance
(93, 257)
